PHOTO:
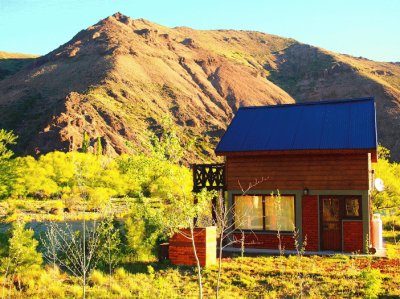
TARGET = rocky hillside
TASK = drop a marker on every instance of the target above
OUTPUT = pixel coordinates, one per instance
(10, 63)
(310, 74)
(120, 78)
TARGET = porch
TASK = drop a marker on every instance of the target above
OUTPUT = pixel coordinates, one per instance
(235, 251)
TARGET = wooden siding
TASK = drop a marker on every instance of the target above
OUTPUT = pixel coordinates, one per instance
(295, 172)
(373, 152)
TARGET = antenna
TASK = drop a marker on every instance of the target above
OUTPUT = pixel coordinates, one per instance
(379, 185)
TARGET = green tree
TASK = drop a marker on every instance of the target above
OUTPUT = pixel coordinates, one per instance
(8, 166)
(85, 143)
(165, 143)
(110, 253)
(6, 139)
(99, 147)
(143, 229)
(389, 172)
(22, 255)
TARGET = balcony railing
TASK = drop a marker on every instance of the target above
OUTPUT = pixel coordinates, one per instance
(209, 176)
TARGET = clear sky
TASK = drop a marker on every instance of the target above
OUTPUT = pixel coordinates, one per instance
(357, 27)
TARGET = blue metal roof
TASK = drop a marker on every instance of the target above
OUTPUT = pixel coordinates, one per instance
(337, 124)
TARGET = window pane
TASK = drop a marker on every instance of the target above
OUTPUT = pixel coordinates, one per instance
(352, 207)
(248, 212)
(279, 213)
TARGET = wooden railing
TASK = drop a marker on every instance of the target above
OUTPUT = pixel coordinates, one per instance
(209, 176)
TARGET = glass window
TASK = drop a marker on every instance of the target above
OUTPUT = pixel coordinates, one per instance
(338, 207)
(259, 212)
(279, 213)
(352, 205)
(248, 212)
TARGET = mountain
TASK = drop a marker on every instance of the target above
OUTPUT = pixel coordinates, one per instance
(10, 63)
(310, 74)
(120, 78)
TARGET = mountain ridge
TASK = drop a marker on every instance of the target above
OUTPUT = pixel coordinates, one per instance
(120, 77)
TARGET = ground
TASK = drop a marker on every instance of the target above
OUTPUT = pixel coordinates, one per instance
(242, 277)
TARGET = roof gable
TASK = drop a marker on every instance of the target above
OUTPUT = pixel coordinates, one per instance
(329, 125)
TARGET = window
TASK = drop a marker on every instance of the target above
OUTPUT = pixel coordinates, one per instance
(249, 212)
(352, 207)
(279, 213)
(337, 207)
(264, 212)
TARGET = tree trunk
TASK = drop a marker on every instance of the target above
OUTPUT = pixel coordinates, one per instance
(197, 263)
(219, 266)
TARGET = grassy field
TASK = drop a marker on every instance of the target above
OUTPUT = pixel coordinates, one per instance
(337, 276)
(248, 277)
(299, 276)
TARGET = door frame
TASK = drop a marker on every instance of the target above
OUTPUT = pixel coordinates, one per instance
(342, 215)
(321, 226)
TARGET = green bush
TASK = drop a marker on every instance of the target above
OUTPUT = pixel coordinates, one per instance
(389, 172)
(372, 279)
(22, 259)
(143, 229)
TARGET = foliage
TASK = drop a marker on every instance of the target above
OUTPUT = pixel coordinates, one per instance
(76, 251)
(152, 177)
(8, 176)
(99, 147)
(7, 166)
(6, 139)
(391, 221)
(110, 253)
(373, 282)
(85, 142)
(165, 143)
(389, 172)
(22, 256)
(324, 277)
(143, 229)
(86, 179)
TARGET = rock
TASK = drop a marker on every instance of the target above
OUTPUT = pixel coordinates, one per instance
(190, 43)
(54, 211)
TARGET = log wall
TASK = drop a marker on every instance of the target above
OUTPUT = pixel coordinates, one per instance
(295, 172)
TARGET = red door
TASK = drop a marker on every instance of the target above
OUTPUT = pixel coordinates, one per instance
(331, 224)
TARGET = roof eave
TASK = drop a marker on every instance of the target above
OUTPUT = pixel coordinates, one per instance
(372, 151)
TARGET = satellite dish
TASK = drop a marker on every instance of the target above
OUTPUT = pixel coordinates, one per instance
(379, 185)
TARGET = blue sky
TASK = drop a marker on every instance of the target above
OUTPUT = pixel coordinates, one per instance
(360, 28)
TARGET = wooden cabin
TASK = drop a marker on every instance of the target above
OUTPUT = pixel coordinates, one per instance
(317, 156)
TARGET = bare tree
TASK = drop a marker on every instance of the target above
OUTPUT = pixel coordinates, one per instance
(75, 251)
(180, 214)
(110, 244)
(300, 249)
(278, 210)
(225, 227)
(191, 237)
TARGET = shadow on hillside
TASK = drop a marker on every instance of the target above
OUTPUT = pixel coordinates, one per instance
(10, 66)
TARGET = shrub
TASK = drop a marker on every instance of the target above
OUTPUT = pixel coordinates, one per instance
(372, 282)
(98, 278)
(142, 231)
